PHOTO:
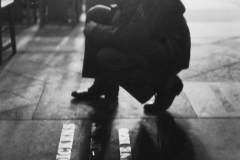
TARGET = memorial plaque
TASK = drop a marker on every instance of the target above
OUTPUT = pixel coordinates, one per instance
(66, 142)
(216, 99)
(124, 144)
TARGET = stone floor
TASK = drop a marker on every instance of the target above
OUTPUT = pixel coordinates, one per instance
(36, 83)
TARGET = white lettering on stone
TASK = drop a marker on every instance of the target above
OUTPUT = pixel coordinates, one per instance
(66, 138)
(64, 151)
(67, 132)
(66, 142)
(65, 145)
(124, 144)
(63, 157)
(69, 126)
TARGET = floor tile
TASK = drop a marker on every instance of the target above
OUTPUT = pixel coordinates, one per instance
(214, 99)
(145, 137)
(213, 139)
(49, 53)
(231, 43)
(26, 35)
(74, 66)
(214, 60)
(229, 73)
(10, 81)
(23, 67)
(35, 139)
(70, 55)
(181, 107)
(41, 72)
(52, 75)
(57, 103)
(55, 55)
(20, 103)
(128, 107)
(19, 112)
(40, 56)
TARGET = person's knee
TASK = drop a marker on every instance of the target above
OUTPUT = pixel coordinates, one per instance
(94, 12)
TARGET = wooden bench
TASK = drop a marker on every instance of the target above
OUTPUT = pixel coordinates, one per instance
(7, 5)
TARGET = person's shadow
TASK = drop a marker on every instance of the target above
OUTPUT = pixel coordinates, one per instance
(97, 109)
(158, 138)
(162, 139)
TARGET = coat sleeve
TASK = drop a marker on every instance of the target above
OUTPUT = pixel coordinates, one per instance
(137, 31)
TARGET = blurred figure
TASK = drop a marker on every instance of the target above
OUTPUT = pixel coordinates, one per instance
(140, 45)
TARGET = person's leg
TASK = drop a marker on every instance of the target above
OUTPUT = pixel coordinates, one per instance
(118, 68)
(111, 63)
(99, 14)
(165, 95)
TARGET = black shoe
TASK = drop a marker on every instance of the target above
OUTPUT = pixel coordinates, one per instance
(85, 95)
(164, 99)
(96, 91)
(92, 93)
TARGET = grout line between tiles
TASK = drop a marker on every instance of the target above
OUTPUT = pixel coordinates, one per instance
(39, 101)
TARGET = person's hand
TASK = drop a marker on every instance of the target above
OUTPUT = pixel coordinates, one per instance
(89, 27)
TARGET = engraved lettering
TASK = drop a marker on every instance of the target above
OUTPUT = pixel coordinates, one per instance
(66, 138)
(124, 144)
(66, 142)
(64, 151)
(125, 149)
(69, 126)
(67, 132)
(63, 157)
(223, 99)
(65, 145)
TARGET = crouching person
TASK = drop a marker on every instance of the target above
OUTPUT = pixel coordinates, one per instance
(140, 45)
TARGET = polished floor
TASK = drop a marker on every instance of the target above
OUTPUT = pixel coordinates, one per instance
(36, 102)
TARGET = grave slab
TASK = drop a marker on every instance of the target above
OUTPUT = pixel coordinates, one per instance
(20, 103)
(212, 139)
(129, 107)
(145, 135)
(216, 99)
(36, 140)
(57, 103)
(11, 81)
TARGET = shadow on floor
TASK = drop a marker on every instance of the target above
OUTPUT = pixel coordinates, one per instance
(163, 140)
(154, 139)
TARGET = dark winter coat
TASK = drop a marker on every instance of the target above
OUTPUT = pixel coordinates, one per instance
(148, 26)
